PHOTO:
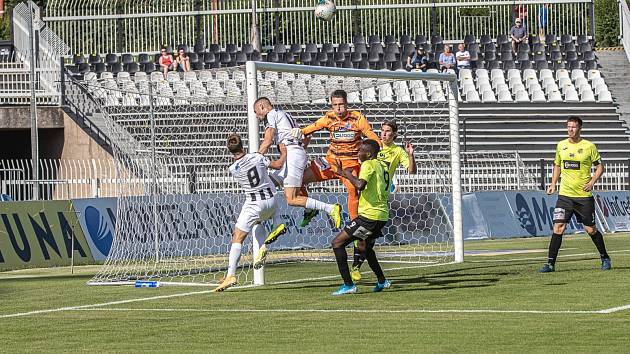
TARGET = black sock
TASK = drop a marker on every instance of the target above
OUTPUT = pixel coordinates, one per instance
(554, 247)
(373, 262)
(598, 240)
(342, 263)
(358, 259)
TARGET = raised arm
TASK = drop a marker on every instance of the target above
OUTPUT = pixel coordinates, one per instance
(319, 124)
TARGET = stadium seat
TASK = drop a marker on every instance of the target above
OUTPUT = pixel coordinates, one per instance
(111, 58)
(571, 56)
(78, 59)
(115, 68)
(582, 39)
(505, 96)
(587, 96)
(566, 38)
(554, 96)
(522, 96)
(420, 40)
(404, 39)
(94, 59)
(485, 39)
(98, 68)
(541, 65)
(605, 97)
(472, 96)
(214, 48)
(232, 48)
(507, 55)
(488, 97)
(436, 39)
(328, 48)
(573, 65)
(374, 38)
(389, 39)
(361, 48)
(358, 39)
(469, 39)
(571, 96)
(538, 96)
(344, 48)
(502, 38)
(568, 47)
(508, 64)
(255, 56)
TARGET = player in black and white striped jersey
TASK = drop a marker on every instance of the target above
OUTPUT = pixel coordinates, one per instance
(279, 125)
(251, 173)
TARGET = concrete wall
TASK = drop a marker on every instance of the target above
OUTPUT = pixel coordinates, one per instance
(20, 117)
(78, 145)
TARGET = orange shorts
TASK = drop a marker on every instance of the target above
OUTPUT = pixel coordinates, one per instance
(323, 171)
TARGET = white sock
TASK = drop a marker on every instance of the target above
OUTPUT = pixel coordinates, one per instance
(235, 257)
(316, 204)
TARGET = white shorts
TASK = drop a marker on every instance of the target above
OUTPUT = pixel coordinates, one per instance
(256, 212)
(290, 175)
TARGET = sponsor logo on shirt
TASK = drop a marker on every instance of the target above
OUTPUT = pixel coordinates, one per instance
(571, 165)
(343, 135)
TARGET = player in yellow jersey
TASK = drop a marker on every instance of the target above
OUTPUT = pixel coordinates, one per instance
(373, 184)
(574, 158)
(393, 156)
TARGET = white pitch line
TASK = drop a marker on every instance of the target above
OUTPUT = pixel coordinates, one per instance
(407, 311)
(615, 309)
(539, 258)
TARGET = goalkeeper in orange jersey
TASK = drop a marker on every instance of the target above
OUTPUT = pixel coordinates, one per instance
(347, 130)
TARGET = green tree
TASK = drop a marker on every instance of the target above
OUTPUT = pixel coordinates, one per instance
(607, 23)
(5, 31)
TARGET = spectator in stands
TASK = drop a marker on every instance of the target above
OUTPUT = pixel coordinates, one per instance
(418, 60)
(447, 59)
(463, 57)
(166, 62)
(182, 61)
(518, 33)
(543, 19)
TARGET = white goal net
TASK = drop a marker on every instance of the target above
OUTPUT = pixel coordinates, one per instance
(177, 203)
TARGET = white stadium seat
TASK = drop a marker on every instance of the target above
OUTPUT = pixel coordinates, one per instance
(587, 96)
(521, 96)
(554, 96)
(472, 96)
(571, 96)
(604, 96)
(538, 96)
(505, 96)
(488, 97)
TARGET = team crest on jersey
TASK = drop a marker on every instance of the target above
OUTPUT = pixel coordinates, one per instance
(580, 151)
(571, 155)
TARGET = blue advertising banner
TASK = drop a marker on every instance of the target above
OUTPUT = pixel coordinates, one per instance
(614, 208)
(97, 218)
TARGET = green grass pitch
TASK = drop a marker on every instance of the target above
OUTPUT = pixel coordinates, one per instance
(495, 302)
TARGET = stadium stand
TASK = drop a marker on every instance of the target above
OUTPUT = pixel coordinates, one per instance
(509, 101)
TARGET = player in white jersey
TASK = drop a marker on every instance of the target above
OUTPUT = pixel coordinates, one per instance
(278, 130)
(250, 171)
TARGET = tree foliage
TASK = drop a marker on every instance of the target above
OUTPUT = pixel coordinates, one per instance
(607, 23)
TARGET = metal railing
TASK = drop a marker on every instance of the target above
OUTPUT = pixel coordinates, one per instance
(624, 26)
(15, 78)
(59, 179)
(616, 175)
(104, 26)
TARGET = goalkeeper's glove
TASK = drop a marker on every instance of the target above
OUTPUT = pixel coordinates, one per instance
(297, 133)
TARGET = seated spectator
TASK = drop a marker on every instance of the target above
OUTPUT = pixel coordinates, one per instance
(518, 33)
(447, 59)
(463, 57)
(182, 61)
(166, 62)
(418, 60)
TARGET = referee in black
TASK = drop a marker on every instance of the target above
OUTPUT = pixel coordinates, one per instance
(574, 158)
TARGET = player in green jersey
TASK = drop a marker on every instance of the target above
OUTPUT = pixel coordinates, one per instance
(393, 156)
(373, 184)
(574, 158)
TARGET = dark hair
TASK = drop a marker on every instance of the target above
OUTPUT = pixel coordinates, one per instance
(391, 124)
(373, 145)
(339, 94)
(261, 99)
(235, 144)
(575, 119)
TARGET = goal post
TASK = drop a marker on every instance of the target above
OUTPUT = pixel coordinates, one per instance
(253, 70)
(177, 203)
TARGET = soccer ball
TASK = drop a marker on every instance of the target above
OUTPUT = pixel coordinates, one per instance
(325, 10)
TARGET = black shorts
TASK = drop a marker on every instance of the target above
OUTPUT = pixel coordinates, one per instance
(364, 228)
(583, 208)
